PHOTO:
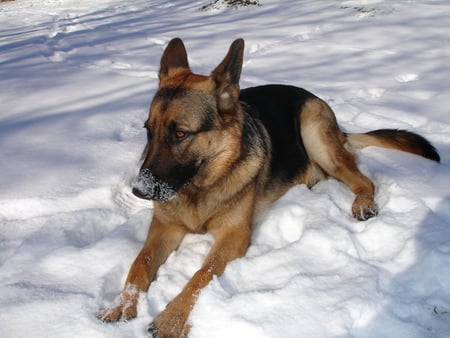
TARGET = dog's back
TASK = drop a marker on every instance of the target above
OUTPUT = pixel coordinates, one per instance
(278, 107)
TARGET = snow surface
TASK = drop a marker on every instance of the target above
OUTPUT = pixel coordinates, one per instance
(77, 77)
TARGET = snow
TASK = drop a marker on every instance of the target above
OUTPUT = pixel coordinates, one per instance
(76, 80)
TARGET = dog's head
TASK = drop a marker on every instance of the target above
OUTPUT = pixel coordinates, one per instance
(193, 127)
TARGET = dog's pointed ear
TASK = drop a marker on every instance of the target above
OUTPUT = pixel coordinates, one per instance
(227, 74)
(174, 59)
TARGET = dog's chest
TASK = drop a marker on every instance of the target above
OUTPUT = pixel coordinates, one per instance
(191, 216)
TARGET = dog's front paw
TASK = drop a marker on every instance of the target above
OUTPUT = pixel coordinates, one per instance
(126, 308)
(364, 208)
(121, 312)
(169, 324)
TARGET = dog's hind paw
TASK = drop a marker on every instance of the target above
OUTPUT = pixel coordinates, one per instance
(366, 214)
(364, 208)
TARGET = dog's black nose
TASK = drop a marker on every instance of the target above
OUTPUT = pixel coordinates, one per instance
(138, 193)
(150, 187)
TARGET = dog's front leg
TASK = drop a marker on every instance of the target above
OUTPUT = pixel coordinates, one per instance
(231, 242)
(161, 240)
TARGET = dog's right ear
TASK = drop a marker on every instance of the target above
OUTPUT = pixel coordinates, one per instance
(174, 60)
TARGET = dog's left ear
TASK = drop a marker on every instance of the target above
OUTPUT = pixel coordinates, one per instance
(227, 75)
(173, 60)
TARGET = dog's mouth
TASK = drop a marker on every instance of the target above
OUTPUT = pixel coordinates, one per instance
(150, 187)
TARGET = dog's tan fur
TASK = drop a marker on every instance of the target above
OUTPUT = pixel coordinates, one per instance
(326, 147)
(234, 180)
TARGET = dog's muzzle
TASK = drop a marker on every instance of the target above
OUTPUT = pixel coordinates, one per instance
(150, 187)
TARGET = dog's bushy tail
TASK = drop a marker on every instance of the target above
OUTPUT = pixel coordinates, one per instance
(395, 139)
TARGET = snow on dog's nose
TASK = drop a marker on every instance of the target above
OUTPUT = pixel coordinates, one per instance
(150, 187)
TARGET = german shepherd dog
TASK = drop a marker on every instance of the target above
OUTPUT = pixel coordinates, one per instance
(216, 156)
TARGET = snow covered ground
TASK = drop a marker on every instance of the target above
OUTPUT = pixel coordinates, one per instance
(76, 80)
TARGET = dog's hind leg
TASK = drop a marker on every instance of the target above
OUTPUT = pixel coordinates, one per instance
(325, 145)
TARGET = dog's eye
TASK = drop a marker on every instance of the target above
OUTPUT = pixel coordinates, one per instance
(179, 134)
